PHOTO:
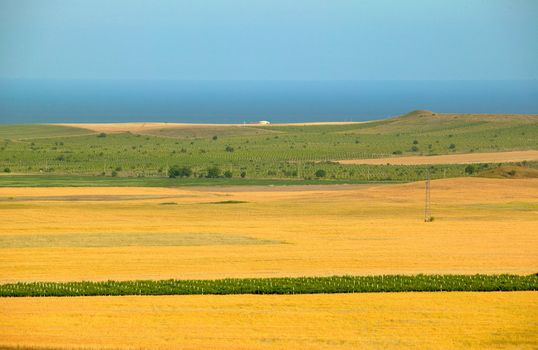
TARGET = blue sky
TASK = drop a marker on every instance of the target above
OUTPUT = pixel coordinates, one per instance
(269, 39)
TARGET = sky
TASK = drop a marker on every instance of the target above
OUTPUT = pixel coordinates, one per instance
(269, 39)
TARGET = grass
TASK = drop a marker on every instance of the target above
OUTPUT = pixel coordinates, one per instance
(101, 181)
(511, 171)
(297, 285)
(267, 152)
(194, 132)
(35, 131)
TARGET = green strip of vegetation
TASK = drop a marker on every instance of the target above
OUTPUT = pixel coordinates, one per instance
(296, 285)
(102, 181)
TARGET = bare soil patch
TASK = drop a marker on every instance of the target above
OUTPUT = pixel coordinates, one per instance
(154, 127)
(466, 158)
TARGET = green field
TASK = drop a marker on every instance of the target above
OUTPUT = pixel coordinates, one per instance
(296, 285)
(107, 181)
(291, 152)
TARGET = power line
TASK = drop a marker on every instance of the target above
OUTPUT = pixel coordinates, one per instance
(427, 202)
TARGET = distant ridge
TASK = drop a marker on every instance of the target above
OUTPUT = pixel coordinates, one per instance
(425, 120)
(423, 114)
(416, 121)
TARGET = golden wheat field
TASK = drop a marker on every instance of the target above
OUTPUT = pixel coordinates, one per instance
(65, 234)
(68, 234)
(336, 321)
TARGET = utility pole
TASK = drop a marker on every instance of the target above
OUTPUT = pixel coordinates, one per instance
(427, 204)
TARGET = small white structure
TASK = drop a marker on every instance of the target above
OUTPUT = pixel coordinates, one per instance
(264, 122)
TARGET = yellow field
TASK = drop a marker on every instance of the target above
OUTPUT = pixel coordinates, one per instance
(481, 226)
(64, 234)
(336, 321)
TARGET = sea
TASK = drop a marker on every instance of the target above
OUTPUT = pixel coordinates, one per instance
(25, 101)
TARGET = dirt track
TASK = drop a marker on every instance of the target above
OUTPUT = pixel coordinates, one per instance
(491, 157)
(130, 127)
(142, 127)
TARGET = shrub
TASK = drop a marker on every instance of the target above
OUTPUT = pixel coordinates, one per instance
(229, 149)
(213, 172)
(415, 142)
(114, 173)
(469, 169)
(7, 170)
(177, 171)
(452, 146)
(215, 138)
(243, 174)
(397, 152)
(101, 135)
(320, 173)
(290, 173)
(414, 149)
(228, 174)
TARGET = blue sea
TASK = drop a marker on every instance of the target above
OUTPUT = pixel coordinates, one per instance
(62, 101)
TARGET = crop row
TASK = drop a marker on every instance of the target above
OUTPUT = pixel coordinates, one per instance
(292, 285)
(268, 170)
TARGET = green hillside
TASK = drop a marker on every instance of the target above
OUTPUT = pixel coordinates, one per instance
(261, 152)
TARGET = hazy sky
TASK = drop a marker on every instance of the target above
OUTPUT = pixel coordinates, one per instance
(269, 39)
